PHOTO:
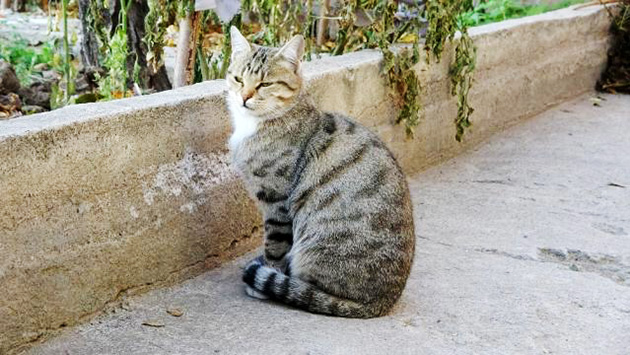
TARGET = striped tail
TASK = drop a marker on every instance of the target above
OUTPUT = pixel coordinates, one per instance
(301, 294)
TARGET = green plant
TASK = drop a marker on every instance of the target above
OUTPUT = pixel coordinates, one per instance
(499, 10)
(66, 50)
(376, 24)
(398, 65)
(24, 58)
(97, 22)
(373, 24)
(461, 73)
(280, 20)
(114, 84)
(363, 24)
(161, 14)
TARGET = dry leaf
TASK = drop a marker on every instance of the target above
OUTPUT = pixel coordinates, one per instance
(408, 38)
(153, 323)
(175, 312)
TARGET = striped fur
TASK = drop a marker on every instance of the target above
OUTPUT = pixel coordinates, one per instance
(301, 294)
(339, 233)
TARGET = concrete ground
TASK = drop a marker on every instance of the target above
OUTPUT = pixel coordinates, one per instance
(523, 247)
(34, 26)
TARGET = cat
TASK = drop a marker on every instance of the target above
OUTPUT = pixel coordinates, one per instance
(338, 220)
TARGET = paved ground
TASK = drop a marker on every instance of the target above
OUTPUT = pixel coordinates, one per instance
(33, 26)
(523, 247)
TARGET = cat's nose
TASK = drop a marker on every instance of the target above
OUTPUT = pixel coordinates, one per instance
(247, 96)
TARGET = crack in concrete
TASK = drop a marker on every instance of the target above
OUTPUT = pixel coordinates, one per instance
(494, 251)
(604, 265)
(610, 229)
(497, 182)
(436, 242)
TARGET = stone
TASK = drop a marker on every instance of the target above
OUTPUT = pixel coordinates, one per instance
(36, 95)
(81, 84)
(175, 312)
(31, 109)
(10, 105)
(51, 75)
(40, 67)
(8, 79)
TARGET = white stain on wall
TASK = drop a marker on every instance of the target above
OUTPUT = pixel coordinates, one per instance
(190, 178)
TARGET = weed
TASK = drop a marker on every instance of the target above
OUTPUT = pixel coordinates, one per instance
(499, 10)
(19, 53)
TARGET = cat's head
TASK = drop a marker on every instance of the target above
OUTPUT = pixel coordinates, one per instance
(264, 81)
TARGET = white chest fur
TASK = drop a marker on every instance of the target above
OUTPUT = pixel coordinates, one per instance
(243, 123)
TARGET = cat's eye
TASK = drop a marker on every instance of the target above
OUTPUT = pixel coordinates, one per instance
(238, 79)
(263, 85)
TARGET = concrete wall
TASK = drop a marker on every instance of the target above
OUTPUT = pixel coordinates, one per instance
(98, 201)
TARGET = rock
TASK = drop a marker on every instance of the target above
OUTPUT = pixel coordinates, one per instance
(175, 312)
(31, 109)
(51, 75)
(40, 67)
(10, 101)
(81, 84)
(8, 80)
(10, 106)
(36, 95)
(42, 85)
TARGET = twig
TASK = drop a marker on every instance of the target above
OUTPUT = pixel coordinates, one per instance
(597, 2)
(322, 24)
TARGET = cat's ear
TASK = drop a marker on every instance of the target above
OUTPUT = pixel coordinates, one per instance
(239, 42)
(293, 50)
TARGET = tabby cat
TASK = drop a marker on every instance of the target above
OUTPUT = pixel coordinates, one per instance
(339, 233)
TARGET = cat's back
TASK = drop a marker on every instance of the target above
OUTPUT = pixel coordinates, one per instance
(353, 218)
(345, 160)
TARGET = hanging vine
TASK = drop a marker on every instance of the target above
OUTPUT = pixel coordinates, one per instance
(444, 21)
(461, 80)
(399, 65)
(114, 83)
(280, 20)
(383, 23)
(99, 21)
(161, 14)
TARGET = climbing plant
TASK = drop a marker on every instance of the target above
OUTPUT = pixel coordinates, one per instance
(280, 20)
(444, 18)
(461, 80)
(114, 83)
(161, 14)
(384, 23)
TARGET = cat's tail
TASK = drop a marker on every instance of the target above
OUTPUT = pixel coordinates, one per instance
(301, 294)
